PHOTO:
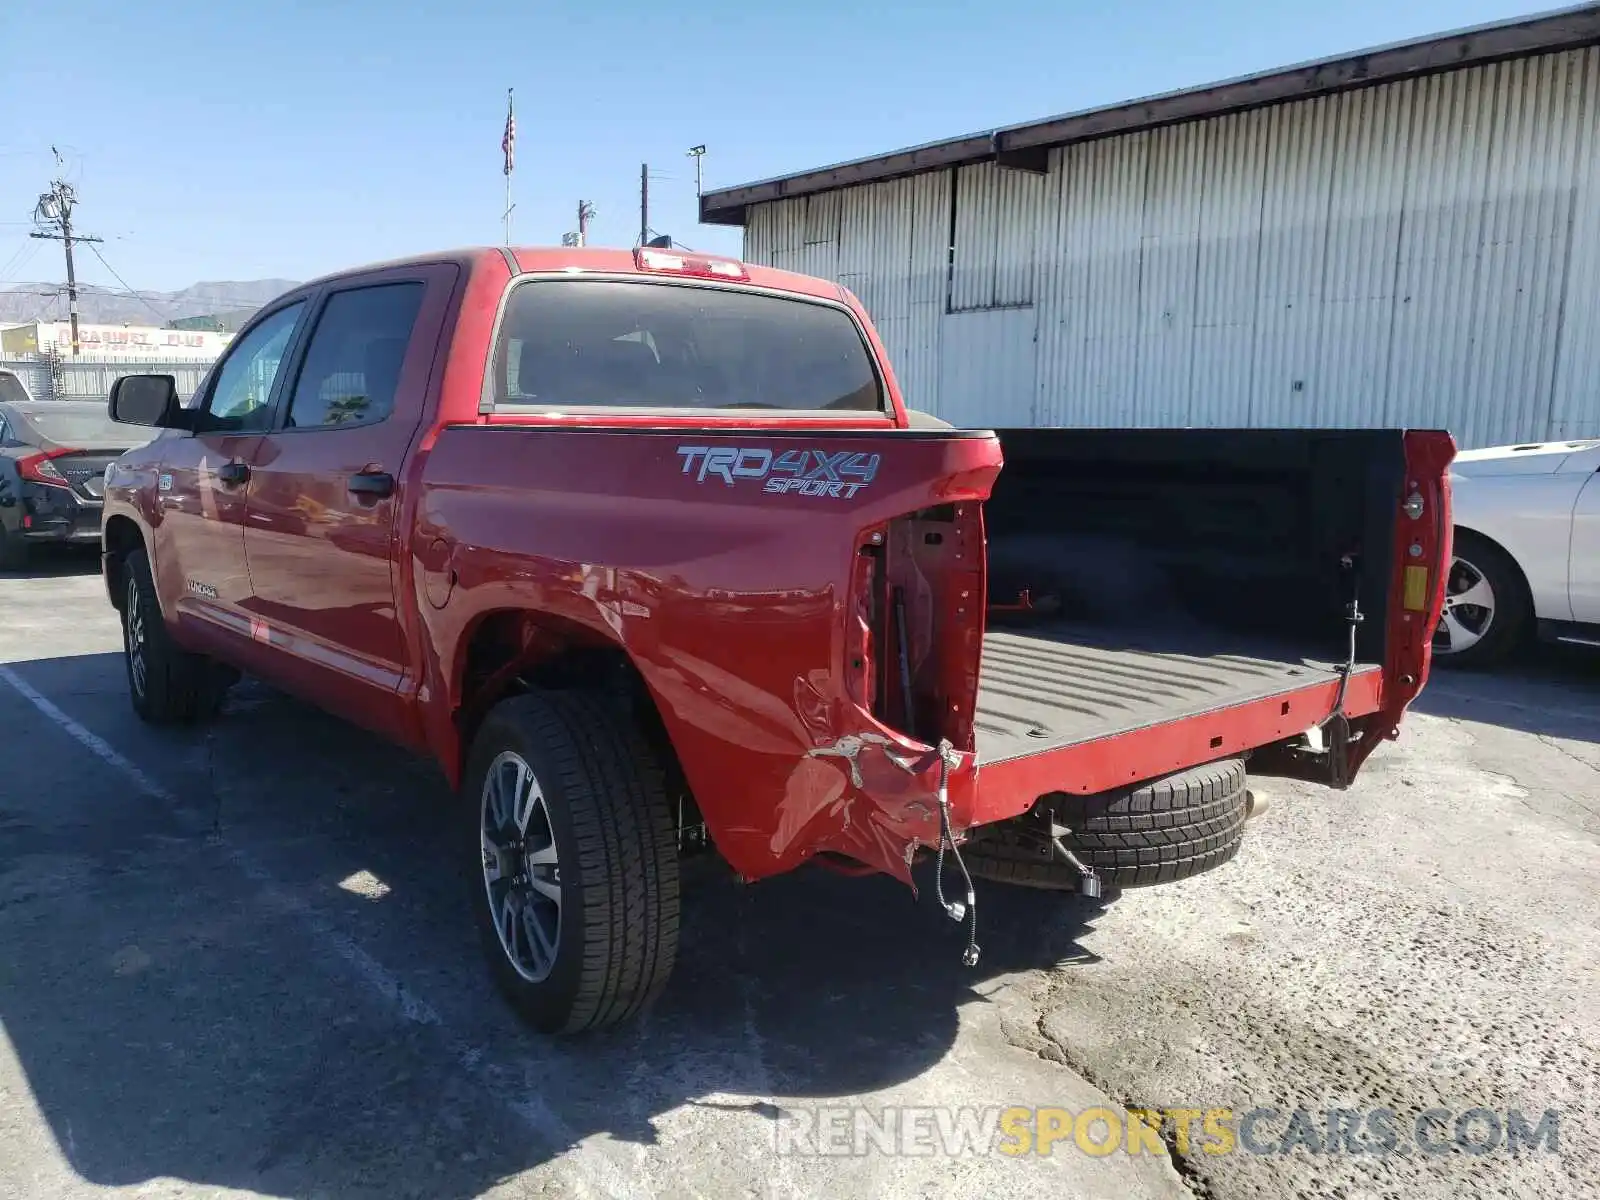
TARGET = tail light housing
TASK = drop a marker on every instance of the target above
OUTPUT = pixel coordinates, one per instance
(914, 634)
(37, 468)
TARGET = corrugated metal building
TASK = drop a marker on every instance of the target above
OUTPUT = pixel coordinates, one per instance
(1406, 236)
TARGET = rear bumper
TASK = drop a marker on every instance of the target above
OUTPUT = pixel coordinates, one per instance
(56, 514)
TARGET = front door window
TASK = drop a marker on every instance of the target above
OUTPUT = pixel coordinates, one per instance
(241, 401)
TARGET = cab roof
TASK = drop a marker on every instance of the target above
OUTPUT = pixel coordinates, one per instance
(611, 261)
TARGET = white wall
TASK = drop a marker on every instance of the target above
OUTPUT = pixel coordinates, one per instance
(1423, 253)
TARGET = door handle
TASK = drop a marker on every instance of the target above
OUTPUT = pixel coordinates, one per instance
(233, 473)
(372, 483)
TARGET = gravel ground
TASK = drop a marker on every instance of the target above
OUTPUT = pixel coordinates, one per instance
(235, 964)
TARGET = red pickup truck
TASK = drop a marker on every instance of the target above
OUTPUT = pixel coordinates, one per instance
(647, 551)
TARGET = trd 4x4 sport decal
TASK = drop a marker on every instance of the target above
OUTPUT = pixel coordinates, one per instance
(837, 474)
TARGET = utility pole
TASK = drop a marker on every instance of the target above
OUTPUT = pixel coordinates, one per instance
(585, 215)
(644, 203)
(54, 213)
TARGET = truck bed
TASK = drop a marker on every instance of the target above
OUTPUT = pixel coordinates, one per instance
(1048, 686)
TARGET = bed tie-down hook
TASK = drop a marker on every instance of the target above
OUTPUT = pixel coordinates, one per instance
(956, 910)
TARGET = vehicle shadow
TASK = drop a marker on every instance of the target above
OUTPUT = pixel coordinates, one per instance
(282, 991)
(57, 562)
(1550, 691)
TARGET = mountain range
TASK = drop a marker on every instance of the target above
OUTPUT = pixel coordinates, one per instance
(229, 301)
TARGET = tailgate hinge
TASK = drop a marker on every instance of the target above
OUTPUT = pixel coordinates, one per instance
(1337, 724)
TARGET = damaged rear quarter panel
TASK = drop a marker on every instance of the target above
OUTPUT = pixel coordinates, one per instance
(726, 591)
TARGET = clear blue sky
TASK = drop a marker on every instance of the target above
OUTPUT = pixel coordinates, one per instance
(225, 140)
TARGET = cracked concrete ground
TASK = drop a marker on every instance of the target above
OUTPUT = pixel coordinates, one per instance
(236, 963)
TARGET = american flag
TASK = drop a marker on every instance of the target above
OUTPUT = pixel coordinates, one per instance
(508, 143)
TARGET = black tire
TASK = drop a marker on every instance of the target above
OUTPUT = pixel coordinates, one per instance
(1507, 628)
(13, 552)
(175, 686)
(606, 811)
(1158, 832)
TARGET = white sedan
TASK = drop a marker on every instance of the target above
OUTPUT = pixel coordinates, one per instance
(1527, 550)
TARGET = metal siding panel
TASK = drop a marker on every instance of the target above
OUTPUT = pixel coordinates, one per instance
(874, 248)
(884, 260)
(1227, 289)
(973, 257)
(986, 367)
(1299, 175)
(1526, 246)
(1440, 253)
(917, 364)
(760, 233)
(1574, 407)
(998, 214)
(1019, 212)
(820, 253)
(1089, 318)
(1169, 255)
(1356, 305)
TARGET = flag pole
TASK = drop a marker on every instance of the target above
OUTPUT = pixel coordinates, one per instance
(508, 145)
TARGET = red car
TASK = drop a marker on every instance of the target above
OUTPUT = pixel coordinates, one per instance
(647, 551)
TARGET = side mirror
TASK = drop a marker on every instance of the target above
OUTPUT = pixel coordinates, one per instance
(147, 400)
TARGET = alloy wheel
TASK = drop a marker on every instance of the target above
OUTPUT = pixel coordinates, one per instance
(133, 621)
(1469, 608)
(521, 867)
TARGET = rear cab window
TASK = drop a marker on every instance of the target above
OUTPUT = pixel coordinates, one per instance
(78, 426)
(643, 344)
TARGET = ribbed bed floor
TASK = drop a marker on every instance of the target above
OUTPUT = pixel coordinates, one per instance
(1044, 687)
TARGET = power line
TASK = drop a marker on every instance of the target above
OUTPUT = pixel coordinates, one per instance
(131, 291)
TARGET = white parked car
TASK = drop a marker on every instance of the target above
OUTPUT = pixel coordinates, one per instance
(1527, 550)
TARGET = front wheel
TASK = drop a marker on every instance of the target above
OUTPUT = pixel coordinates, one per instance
(167, 684)
(574, 862)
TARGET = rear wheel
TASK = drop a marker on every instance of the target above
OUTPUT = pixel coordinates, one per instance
(167, 684)
(574, 860)
(1158, 832)
(1486, 605)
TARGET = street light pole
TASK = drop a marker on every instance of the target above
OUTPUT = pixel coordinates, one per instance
(698, 153)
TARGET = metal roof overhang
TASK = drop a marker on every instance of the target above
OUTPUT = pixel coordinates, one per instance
(1026, 147)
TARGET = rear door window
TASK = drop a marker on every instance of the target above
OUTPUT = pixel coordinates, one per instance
(646, 345)
(352, 364)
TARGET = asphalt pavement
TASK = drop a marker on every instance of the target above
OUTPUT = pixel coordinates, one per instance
(237, 961)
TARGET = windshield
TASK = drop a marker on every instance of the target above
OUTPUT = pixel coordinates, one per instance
(11, 389)
(79, 426)
(577, 343)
